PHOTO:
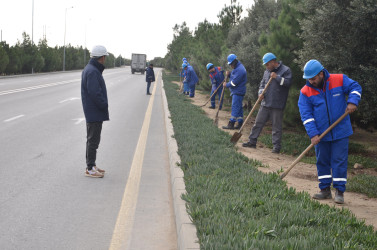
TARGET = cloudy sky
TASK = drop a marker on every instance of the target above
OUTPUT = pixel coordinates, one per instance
(122, 26)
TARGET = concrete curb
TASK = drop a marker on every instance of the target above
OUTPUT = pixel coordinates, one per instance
(186, 231)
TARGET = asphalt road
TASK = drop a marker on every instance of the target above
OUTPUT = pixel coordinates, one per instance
(46, 202)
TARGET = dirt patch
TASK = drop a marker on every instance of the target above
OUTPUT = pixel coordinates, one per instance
(303, 177)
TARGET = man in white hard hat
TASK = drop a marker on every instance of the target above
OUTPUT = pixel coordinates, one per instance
(95, 105)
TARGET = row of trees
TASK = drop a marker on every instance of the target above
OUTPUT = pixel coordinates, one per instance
(339, 33)
(27, 57)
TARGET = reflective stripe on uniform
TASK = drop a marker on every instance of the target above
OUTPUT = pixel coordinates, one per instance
(324, 177)
(339, 179)
(309, 120)
(282, 81)
(356, 92)
(232, 84)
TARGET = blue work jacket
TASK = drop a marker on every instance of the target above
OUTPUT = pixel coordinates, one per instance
(191, 78)
(319, 108)
(217, 77)
(238, 79)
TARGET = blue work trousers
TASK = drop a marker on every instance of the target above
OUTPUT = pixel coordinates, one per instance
(213, 98)
(192, 89)
(186, 87)
(332, 161)
(237, 110)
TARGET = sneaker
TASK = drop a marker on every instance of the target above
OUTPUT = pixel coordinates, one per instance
(93, 174)
(323, 194)
(212, 107)
(98, 169)
(339, 198)
(249, 145)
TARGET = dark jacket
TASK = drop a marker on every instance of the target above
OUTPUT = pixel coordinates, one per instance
(238, 79)
(149, 77)
(277, 93)
(93, 92)
(319, 108)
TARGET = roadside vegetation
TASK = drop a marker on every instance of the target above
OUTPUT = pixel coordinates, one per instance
(235, 206)
(26, 56)
(294, 30)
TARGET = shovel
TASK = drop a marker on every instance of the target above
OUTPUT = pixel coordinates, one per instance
(212, 94)
(216, 122)
(311, 145)
(237, 135)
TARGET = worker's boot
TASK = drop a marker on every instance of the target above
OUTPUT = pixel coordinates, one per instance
(339, 198)
(239, 125)
(230, 125)
(323, 194)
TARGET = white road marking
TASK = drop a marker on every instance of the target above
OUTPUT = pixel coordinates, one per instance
(13, 118)
(69, 99)
(12, 91)
(78, 120)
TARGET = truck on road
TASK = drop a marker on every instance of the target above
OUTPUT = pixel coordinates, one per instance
(138, 63)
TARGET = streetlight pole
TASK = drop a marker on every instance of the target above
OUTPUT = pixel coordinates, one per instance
(32, 35)
(65, 30)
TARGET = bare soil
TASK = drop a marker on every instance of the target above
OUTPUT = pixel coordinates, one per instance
(303, 177)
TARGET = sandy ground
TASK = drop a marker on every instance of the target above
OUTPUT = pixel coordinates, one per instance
(303, 177)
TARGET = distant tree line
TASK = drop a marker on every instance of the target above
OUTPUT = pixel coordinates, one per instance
(341, 34)
(25, 57)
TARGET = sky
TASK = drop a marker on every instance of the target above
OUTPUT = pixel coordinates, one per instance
(122, 26)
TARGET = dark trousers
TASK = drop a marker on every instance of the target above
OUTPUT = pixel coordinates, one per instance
(264, 114)
(148, 86)
(93, 137)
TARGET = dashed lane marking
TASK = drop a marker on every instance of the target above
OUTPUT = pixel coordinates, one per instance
(12, 91)
(13, 118)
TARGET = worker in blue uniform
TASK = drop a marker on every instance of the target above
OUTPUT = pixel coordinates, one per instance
(216, 74)
(237, 87)
(322, 101)
(191, 79)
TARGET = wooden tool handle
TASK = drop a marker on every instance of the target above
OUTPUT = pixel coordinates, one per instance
(311, 145)
(255, 105)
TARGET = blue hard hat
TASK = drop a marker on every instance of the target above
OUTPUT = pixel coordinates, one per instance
(184, 65)
(231, 58)
(184, 59)
(268, 57)
(209, 65)
(312, 68)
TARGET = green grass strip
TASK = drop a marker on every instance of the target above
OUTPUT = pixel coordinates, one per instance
(234, 206)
